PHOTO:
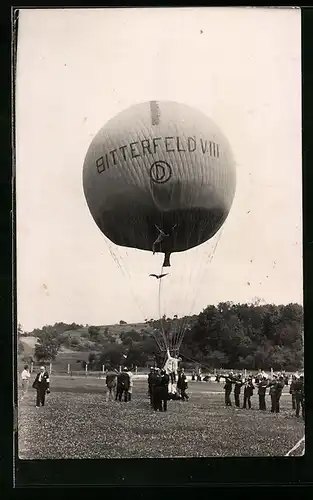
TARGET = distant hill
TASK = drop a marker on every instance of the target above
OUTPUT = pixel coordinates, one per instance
(78, 343)
(228, 335)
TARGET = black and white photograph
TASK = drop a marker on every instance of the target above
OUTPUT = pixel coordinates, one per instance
(159, 269)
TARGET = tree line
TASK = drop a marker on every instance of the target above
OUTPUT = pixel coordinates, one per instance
(236, 336)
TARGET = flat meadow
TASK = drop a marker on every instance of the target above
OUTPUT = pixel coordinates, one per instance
(78, 422)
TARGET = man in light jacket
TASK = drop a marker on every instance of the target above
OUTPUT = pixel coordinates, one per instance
(131, 383)
(25, 376)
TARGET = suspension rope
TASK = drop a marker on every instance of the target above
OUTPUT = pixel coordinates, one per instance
(199, 281)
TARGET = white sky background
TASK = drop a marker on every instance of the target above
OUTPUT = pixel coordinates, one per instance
(77, 69)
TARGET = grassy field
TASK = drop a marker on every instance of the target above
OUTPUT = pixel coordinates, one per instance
(77, 422)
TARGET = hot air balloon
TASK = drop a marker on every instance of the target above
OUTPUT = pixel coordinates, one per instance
(160, 177)
(159, 166)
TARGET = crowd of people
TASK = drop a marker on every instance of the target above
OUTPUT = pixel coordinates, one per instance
(166, 384)
(275, 384)
(160, 386)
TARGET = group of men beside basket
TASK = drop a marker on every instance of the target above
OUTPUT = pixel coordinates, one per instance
(158, 387)
(275, 384)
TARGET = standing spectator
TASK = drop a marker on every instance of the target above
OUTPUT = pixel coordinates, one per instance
(182, 385)
(122, 385)
(131, 383)
(111, 382)
(278, 392)
(155, 379)
(299, 394)
(272, 393)
(237, 389)
(151, 377)
(285, 378)
(228, 388)
(292, 391)
(165, 379)
(263, 384)
(25, 379)
(42, 386)
(247, 393)
(158, 390)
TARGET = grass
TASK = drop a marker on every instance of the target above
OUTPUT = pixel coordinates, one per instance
(77, 422)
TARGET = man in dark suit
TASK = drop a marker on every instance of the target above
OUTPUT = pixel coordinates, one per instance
(157, 390)
(151, 378)
(182, 385)
(273, 393)
(262, 386)
(299, 395)
(237, 389)
(229, 380)
(123, 384)
(276, 388)
(165, 380)
(280, 383)
(292, 392)
(42, 386)
(248, 393)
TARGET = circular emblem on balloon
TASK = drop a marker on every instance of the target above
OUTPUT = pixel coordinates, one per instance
(160, 172)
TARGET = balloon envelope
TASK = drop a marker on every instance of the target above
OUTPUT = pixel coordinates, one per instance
(164, 164)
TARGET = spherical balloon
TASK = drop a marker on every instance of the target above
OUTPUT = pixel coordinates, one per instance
(159, 165)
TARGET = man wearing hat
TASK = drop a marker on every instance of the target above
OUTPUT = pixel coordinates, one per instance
(42, 386)
(123, 383)
(292, 392)
(262, 386)
(248, 393)
(237, 389)
(160, 394)
(299, 394)
(151, 380)
(229, 380)
(276, 388)
(272, 393)
(279, 389)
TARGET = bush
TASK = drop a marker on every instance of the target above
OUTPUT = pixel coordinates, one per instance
(74, 342)
(46, 351)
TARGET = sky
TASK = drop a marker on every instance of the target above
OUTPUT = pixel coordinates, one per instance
(76, 69)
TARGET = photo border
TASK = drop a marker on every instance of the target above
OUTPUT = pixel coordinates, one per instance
(188, 472)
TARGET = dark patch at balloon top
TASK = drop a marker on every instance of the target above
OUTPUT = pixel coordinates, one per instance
(155, 112)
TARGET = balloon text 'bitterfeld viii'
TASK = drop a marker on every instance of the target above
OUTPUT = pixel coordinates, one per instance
(138, 149)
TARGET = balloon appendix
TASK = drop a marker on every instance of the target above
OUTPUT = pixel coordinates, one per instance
(160, 176)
